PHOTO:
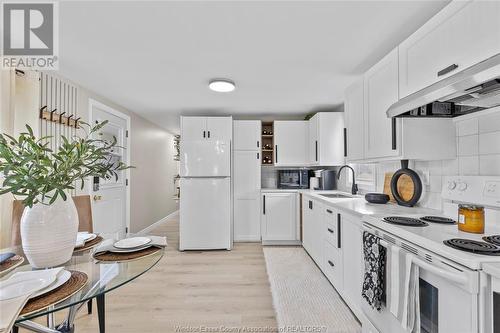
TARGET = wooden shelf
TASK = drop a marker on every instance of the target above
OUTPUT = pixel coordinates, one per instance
(267, 149)
(267, 135)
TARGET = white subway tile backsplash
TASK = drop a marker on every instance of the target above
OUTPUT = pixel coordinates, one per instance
(489, 165)
(468, 145)
(467, 127)
(450, 167)
(468, 165)
(489, 123)
(435, 183)
(489, 143)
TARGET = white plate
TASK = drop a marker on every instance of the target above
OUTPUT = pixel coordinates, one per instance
(83, 237)
(130, 243)
(22, 285)
(134, 249)
(62, 278)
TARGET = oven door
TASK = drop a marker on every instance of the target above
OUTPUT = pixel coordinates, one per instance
(448, 299)
(491, 291)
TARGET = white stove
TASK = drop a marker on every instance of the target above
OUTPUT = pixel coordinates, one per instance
(454, 291)
(472, 189)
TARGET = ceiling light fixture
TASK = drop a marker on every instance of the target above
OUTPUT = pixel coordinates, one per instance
(221, 85)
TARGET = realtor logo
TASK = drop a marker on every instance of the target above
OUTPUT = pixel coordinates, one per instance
(29, 38)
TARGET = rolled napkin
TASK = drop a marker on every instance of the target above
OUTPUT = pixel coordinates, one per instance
(373, 283)
(107, 245)
(12, 307)
(6, 256)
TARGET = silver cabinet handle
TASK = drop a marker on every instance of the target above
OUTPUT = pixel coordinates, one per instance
(448, 69)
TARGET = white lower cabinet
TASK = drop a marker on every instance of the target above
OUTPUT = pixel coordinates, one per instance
(334, 241)
(353, 269)
(312, 226)
(279, 217)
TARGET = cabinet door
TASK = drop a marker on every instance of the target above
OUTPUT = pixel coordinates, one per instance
(331, 138)
(354, 120)
(462, 34)
(193, 128)
(246, 134)
(246, 182)
(380, 92)
(352, 250)
(278, 216)
(219, 128)
(307, 226)
(313, 140)
(290, 140)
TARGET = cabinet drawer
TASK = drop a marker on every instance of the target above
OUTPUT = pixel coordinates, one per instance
(332, 265)
(330, 233)
(331, 226)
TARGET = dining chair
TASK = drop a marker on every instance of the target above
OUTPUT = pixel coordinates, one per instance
(85, 223)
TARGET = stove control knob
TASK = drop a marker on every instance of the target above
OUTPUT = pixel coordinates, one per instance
(462, 186)
(451, 185)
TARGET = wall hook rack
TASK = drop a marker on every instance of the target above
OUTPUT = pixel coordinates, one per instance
(60, 118)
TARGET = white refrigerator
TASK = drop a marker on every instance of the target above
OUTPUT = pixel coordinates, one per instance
(205, 199)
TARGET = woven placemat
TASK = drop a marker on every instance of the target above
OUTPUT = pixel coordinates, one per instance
(75, 283)
(88, 245)
(11, 263)
(112, 256)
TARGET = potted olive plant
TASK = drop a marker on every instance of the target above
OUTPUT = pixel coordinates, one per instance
(42, 178)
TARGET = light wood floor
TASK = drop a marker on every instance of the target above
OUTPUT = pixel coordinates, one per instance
(210, 289)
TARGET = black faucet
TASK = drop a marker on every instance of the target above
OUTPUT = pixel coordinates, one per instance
(354, 189)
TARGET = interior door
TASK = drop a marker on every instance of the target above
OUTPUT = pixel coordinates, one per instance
(246, 134)
(193, 128)
(246, 182)
(109, 208)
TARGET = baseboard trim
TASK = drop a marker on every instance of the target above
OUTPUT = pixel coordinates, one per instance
(282, 242)
(158, 223)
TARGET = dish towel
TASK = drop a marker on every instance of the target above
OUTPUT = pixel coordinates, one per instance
(396, 262)
(107, 245)
(11, 308)
(373, 284)
(411, 307)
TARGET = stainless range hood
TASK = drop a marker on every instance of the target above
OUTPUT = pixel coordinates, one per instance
(473, 89)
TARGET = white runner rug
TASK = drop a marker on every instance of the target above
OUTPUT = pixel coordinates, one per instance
(302, 296)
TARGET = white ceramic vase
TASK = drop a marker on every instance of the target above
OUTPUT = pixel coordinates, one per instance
(49, 233)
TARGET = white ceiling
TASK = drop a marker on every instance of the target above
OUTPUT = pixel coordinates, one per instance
(286, 57)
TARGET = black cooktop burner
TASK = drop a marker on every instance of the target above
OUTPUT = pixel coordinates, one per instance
(473, 246)
(405, 221)
(495, 239)
(438, 219)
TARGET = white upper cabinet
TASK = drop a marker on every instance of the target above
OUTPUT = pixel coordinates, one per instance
(462, 34)
(209, 128)
(381, 134)
(326, 139)
(290, 143)
(353, 109)
(193, 128)
(247, 134)
(313, 140)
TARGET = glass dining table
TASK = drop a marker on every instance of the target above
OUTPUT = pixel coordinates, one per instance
(103, 277)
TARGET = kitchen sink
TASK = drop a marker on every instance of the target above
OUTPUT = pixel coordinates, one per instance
(336, 195)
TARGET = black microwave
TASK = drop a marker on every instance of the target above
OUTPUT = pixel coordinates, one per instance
(290, 179)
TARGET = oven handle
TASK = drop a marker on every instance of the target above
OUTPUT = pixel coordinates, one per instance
(455, 277)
